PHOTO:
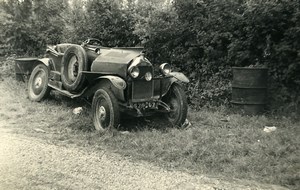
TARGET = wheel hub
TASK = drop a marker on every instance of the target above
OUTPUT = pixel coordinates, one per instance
(102, 113)
(73, 68)
(38, 82)
(174, 108)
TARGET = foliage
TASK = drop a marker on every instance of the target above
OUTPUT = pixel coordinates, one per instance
(206, 38)
(26, 24)
(202, 38)
(105, 20)
(75, 19)
(194, 37)
(269, 36)
(114, 24)
(6, 67)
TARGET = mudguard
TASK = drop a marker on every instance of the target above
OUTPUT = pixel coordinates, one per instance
(114, 83)
(118, 82)
(177, 76)
(24, 66)
(173, 77)
(45, 61)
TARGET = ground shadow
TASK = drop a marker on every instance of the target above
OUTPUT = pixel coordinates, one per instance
(156, 121)
(127, 122)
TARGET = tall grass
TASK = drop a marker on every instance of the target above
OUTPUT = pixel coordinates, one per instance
(236, 147)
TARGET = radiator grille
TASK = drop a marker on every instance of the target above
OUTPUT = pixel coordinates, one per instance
(142, 90)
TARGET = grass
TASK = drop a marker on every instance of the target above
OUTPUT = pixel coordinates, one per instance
(238, 148)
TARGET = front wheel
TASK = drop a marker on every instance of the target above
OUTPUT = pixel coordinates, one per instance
(105, 110)
(38, 88)
(177, 101)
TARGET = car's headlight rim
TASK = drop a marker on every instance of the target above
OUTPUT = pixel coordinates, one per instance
(134, 71)
(165, 68)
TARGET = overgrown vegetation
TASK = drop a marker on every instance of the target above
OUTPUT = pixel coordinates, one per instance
(202, 38)
(218, 144)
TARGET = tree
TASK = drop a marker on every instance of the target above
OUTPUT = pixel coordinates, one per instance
(29, 24)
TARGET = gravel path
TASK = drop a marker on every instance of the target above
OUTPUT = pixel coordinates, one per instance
(29, 163)
(33, 163)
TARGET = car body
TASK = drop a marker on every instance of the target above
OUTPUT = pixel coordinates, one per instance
(117, 80)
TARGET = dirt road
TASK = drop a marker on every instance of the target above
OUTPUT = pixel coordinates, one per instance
(34, 163)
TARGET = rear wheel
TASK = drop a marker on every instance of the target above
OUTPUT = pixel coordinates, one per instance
(38, 88)
(176, 100)
(105, 110)
(74, 62)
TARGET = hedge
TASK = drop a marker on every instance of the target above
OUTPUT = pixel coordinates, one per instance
(202, 38)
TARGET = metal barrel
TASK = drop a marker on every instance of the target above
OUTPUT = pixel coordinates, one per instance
(24, 67)
(249, 89)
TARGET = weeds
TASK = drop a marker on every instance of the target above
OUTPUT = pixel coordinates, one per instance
(234, 147)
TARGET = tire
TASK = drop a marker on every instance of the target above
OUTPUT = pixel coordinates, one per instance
(74, 62)
(177, 101)
(105, 110)
(38, 88)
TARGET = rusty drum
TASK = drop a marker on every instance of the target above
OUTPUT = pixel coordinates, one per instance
(249, 89)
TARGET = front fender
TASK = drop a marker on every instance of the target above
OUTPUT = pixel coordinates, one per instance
(118, 82)
(177, 76)
(114, 83)
(173, 77)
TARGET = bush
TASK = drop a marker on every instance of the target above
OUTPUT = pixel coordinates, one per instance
(201, 38)
(7, 67)
(105, 20)
(206, 38)
(25, 24)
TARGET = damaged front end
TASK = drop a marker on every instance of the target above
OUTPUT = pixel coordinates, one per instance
(147, 90)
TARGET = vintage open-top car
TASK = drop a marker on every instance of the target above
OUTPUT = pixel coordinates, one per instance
(117, 80)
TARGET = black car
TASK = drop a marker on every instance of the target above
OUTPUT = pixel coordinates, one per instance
(117, 80)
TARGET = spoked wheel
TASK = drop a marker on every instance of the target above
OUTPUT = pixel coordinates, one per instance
(74, 62)
(38, 88)
(105, 110)
(176, 100)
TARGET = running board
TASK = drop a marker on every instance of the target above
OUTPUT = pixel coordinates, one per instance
(66, 93)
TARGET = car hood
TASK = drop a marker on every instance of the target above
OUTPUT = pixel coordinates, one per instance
(114, 60)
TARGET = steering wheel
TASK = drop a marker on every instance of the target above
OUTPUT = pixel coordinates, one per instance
(92, 41)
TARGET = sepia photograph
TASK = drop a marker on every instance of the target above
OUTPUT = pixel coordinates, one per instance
(149, 94)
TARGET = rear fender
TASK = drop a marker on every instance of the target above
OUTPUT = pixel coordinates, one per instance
(116, 84)
(26, 65)
(45, 61)
(48, 62)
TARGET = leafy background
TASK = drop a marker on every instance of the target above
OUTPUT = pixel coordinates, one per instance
(202, 38)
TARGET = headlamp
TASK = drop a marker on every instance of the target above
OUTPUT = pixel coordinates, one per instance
(134, 71)
(148, 76)
(165, 68)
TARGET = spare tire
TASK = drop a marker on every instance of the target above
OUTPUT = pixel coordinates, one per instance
(74, 62)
